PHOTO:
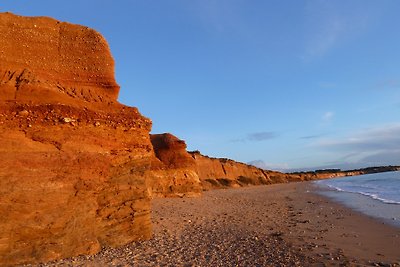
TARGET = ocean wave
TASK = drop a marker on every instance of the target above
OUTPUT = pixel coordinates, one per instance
(371, 195)
(374, 196)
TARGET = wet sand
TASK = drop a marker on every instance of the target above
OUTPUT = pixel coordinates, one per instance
(275, 225)
(387, 212)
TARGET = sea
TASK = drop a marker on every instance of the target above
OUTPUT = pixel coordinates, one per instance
(376, 195)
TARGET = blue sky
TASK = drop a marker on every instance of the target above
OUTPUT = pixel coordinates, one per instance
(281, 84)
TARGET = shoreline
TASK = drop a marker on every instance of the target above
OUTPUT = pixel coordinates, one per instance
(274, 225)
(388, 213)
(364, 238)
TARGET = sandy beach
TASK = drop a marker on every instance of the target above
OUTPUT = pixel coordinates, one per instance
(275, 225)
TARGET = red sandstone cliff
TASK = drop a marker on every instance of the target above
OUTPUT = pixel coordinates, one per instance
(43, 58)
(177, 173)
(221, 173)
(77, 168)
(73, 161)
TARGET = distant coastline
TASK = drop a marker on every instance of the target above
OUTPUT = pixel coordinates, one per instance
(331, 173)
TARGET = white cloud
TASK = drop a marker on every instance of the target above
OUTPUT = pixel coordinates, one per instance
(389, 84)
(257, 137)
(219, 16)
(329, 23)
(269, 166)
(328, 116)
(326, 38)
(326, 85)
(261, 136)
(374, 146)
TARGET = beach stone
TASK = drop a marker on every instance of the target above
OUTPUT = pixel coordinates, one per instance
(23, 113)
(67, 120)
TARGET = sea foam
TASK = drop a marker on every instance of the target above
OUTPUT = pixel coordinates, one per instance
(384, 187)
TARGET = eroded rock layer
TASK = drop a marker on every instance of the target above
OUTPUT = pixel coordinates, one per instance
(175, 173)
(222, 173)
(42, 58)
(77, 168)
(73, 172)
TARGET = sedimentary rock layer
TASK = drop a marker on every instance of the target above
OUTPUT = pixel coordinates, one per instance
(220, 173)
(77, 168)
(73, 172)
(175, 173)
(42, 58)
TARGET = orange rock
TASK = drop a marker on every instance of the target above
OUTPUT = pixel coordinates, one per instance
(67, 187)
(175, 173)
(222, 173)
(47, 60)
(77, 168)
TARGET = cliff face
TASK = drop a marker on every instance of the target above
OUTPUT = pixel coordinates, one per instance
(43, 58)
(222, 173)
(216, 173)
(73, 161)
(174, 174)
(77, 168)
